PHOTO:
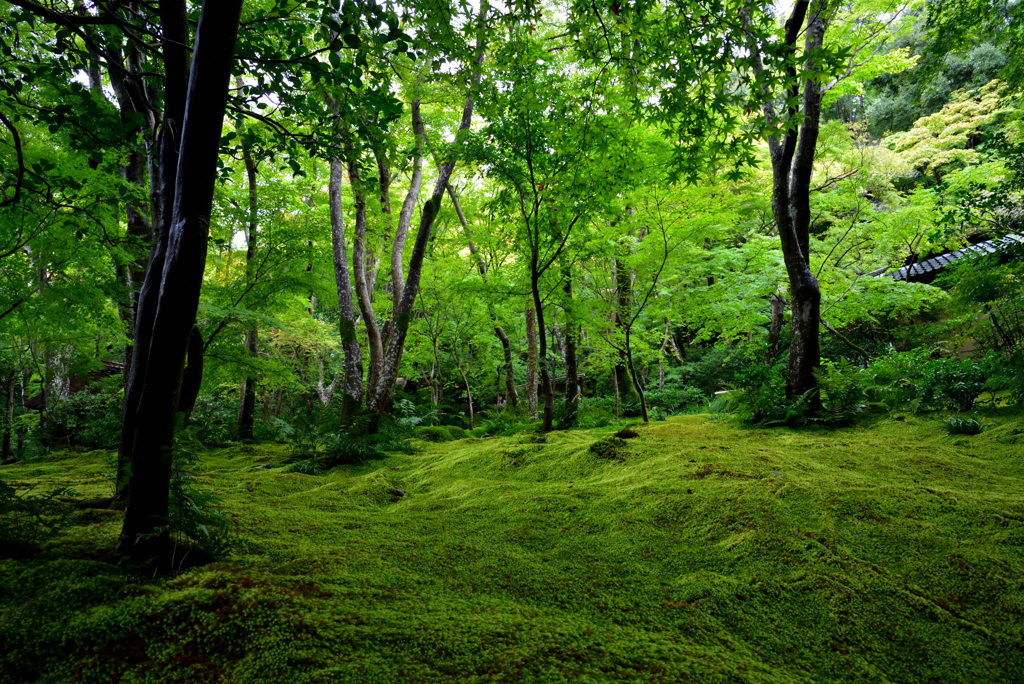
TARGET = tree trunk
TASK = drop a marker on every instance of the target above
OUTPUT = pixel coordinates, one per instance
(636, 380)
(572, 381)
(353, 389)
(247, 405)
(382, 393)
(506, 345)
(778, 313)
(545, 375)
(792, 164)
(5, 449)
(195, 101)
(531, 361)
(624, 292)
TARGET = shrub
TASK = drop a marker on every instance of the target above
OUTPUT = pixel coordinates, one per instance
(914, 381)
(503, 423)
(675, 399)
(89, 419)
(457, 433)
(954, 384)
(959, 425)
(1005, 373)
(344, 450)
(306, 467)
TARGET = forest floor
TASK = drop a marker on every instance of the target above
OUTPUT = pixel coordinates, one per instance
(702, 551)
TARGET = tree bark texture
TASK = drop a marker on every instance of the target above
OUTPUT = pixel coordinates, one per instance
(792, 164)
(624, 294)
(195, 111)
(380, 396)
(353, 388)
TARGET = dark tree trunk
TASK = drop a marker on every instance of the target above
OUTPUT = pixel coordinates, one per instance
(792, 163)
(572, 380)
(195, 101)
(542, 337)
(247, 404)
(531, 361)
(624, 291)
(5, 449)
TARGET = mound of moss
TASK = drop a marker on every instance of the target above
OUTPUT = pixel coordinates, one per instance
(712, 553)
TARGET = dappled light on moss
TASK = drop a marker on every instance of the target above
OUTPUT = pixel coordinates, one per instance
(710, 552)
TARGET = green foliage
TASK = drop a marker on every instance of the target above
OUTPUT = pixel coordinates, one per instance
(1004, 373)
(952, 383)
(90, 419)
(842, 387)
(196, 520)
(507, 421)
(760, 397)
(408, 415)
(215, 415)
(914, 381)
(962, 425)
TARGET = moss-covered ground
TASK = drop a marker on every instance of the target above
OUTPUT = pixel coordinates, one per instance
(699, 551)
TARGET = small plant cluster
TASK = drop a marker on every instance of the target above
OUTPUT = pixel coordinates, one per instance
(917, 382)
(89, 419)
(900, 380)
(962, 425)
(29, 517)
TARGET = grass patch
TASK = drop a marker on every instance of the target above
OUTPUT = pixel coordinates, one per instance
(712, 552)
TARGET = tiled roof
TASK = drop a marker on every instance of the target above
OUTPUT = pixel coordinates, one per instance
(931, 266)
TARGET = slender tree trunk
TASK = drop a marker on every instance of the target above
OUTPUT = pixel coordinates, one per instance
(195, 101)
(5, 449)
(469, 393)
(572, 380)
(545, 375)
(247, 405)
(531, 361)
(384, 390)
(792, 164)
(778, 312)
(353, 390)
(624, 290)
(633, 376)
(506, 345)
